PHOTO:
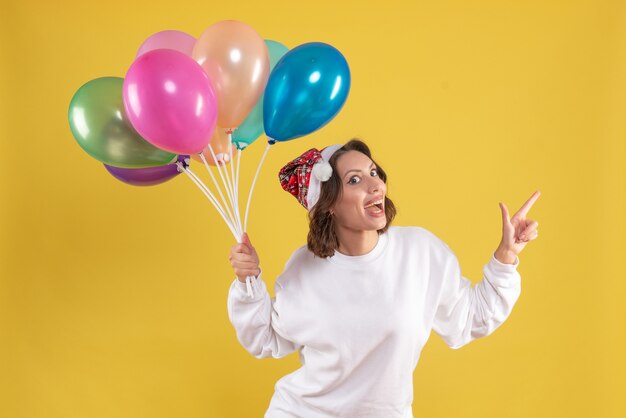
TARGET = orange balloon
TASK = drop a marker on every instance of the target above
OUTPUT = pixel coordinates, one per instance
(219, 143)
(237, 61)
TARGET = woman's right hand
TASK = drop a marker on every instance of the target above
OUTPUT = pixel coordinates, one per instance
(244, 259)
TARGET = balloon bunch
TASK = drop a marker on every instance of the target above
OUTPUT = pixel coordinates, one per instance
(205, 98)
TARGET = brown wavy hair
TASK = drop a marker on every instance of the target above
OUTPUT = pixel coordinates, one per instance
(322, 239)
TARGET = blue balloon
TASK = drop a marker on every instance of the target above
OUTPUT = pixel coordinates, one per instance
(306, 89)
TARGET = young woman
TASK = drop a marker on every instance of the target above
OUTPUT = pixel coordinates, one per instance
(358, 301)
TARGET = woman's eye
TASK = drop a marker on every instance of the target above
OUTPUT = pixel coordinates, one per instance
(353, 178)
(375, 172)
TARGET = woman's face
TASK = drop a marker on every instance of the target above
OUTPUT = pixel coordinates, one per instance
(361, 205)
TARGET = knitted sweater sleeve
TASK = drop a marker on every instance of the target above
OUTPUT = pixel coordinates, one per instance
(257, 321)
(466, 312)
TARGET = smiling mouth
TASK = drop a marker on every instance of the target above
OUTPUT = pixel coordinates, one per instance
(378, 203)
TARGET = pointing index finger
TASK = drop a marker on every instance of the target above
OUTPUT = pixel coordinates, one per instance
(531, 200)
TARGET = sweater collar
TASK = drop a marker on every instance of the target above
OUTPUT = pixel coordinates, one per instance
(379, 248)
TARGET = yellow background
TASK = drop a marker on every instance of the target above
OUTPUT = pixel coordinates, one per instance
(113, 297)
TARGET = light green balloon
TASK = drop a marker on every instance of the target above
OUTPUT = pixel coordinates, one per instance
(252, 127)
(100, 126)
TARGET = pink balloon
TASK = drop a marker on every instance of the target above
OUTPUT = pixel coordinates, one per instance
(168, 39)
(170, 101)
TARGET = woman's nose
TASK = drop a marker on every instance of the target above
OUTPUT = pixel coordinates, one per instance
(376, 185)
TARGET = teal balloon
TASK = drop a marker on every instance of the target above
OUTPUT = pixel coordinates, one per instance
(306, 89)
(252, 126)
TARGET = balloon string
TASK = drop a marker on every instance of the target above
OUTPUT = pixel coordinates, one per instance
(208, 194)
(204, 189)
(219, 189)
(221, 165)
(225, 204)
(231, 182)
(228, 185)
(236, 197)
(245, 224)
(197, 178)
(234, 184)
(237, 180)
(224, 181)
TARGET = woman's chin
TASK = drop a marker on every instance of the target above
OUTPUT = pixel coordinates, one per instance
(375, 224)
(367, 223)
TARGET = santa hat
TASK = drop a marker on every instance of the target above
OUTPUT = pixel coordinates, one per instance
(303, 176)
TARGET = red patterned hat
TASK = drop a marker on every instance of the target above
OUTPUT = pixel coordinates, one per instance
(303, 176)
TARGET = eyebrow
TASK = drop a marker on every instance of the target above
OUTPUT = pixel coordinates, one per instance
(349, 171)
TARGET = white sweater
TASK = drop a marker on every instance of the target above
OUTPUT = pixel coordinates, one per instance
(359, 322)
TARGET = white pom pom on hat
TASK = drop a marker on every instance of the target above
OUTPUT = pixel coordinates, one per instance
(322, 171)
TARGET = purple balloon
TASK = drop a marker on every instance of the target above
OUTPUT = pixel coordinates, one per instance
(148, 176)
